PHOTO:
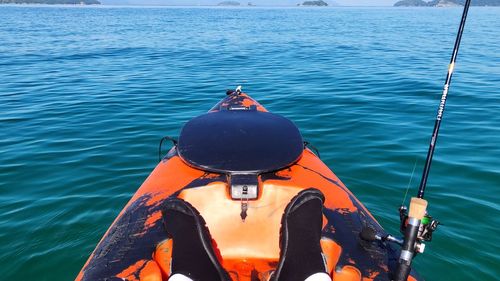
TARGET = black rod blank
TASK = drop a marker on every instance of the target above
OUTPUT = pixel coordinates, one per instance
(442, 104)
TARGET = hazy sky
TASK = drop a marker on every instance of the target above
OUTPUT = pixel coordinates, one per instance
(256, 2)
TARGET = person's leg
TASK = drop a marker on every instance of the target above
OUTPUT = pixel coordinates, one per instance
(301, 258)
(314, 277)
(193, 254)
(300, 249)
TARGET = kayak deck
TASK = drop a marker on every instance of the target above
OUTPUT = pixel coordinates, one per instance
(136, 246)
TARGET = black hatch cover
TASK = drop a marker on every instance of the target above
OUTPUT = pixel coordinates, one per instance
(240, 141)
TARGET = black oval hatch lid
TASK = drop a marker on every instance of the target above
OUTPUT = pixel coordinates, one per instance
(240, 141)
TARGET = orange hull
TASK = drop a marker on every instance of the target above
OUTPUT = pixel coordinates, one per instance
(136, 246)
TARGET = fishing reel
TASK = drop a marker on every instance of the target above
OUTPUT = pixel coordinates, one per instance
(427, 226)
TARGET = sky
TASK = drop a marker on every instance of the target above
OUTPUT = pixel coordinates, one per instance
(256, 2)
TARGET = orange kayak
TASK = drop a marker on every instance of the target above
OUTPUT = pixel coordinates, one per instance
(239, 166)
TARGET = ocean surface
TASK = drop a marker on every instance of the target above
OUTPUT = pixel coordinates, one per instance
(86, 93)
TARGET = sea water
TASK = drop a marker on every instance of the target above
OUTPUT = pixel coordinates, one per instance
(86, 93)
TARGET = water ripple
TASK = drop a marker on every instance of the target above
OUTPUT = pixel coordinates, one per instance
(87, 93)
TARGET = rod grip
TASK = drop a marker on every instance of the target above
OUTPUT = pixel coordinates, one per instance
(418, 208)
(402, 273)
(407, 251)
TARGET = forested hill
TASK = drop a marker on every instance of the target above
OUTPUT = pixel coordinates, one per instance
(52, 2)
(444, 3)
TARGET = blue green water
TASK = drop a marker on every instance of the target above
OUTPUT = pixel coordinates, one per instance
(86, 94)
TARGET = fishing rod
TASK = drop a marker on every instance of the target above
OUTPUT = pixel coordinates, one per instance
(417, 225)
(432, 146)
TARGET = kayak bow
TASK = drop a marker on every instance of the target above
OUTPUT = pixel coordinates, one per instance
(239, 166)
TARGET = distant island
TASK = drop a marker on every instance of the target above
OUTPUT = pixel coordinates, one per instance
(444, 3)
(52, 2)
(228, 3)
(318, 3)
